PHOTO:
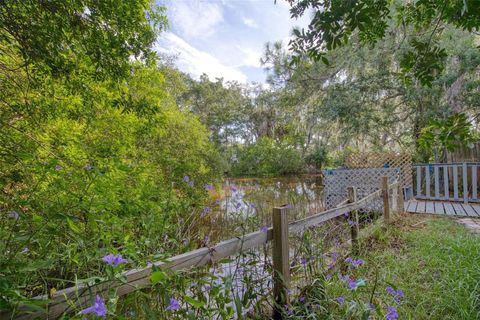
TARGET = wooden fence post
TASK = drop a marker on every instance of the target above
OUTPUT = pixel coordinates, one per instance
(281, 265)
(386, 200)
(352, 198)
(401, 200)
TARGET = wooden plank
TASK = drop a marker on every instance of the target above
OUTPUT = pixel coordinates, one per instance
(446, 192)
(476, 207)
(430, 208)
(412, 206)
(465, 182)
(455, 182)
(419, 180)
(449, 209)
(427, 182)
(355, 228)
(386, 200)
(439, 209)
(400, 200)
(436, 183)
(474, 182)
(421, 207)
(280, 259)
(459, 209)
(469, 210)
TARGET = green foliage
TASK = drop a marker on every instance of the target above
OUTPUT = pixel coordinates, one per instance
(93, 147)
(267, 157)
(334, 23)
(318, 158)
(448, 134)
(52, 36)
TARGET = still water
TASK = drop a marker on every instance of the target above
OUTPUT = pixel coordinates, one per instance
(245, 204)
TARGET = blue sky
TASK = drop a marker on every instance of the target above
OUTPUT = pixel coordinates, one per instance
(224, 38)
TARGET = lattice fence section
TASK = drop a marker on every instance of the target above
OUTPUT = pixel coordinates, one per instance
(403, 161)
(366, 181)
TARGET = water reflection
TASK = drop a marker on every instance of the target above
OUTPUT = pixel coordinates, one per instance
(245, 205)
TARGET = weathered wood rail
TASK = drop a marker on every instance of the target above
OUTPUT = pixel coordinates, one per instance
(447, 181)
(76, 298)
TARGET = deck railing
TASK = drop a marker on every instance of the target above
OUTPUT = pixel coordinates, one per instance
(78, 297)
(447, 181)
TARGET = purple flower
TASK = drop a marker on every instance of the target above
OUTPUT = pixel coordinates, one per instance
(400, 293)
(340, 300)
(186, 178)
(238, 205)
(190, 184)
(217, 202)
(88, 166)
(264, 229)
(13, 215)
(58, 167)
(208, 187)
(390, 290)
(288, 310)
(233, 188)
(352, 284)
(206, 239)
(398, 296)
(301, 299)
(342, 277)
(114, 260)
(334, 256)
(206, 211)
(350, 222)
(348, 260)
(25, 250)
(392, 314)
(253, 205)
(371, 306)
(357, 263)
(98, 308)
(347, 214)
(174, 305)
(328, 276)
(303, 262)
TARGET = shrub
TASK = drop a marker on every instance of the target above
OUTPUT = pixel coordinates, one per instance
(267, 157)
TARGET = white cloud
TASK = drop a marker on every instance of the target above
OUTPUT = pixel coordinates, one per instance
(249, 57)
(197, 62)
(250, 23)
(197, 19)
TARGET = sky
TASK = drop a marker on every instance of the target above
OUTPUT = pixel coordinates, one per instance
(225, 38)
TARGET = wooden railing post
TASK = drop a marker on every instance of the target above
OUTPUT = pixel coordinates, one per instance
(401, 199)
(352, 198)
(386, 200)
(281, 265)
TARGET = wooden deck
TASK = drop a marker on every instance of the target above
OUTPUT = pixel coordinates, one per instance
(443, 208)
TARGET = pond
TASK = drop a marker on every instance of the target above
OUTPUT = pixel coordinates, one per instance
(245, 204)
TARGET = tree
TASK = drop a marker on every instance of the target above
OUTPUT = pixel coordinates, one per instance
(335, 22)
(55, 35)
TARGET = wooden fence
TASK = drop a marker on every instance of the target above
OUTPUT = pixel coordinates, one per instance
(78, 297)
(447, 181)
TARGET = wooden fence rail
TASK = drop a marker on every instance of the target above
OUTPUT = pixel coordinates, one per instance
(75, 298)
(447, 181)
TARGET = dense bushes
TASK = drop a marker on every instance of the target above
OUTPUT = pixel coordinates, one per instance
(267, 157)
(98, 167)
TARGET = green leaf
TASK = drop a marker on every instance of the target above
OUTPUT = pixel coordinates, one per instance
(73, 226)
(157, 276)
(195, 303)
